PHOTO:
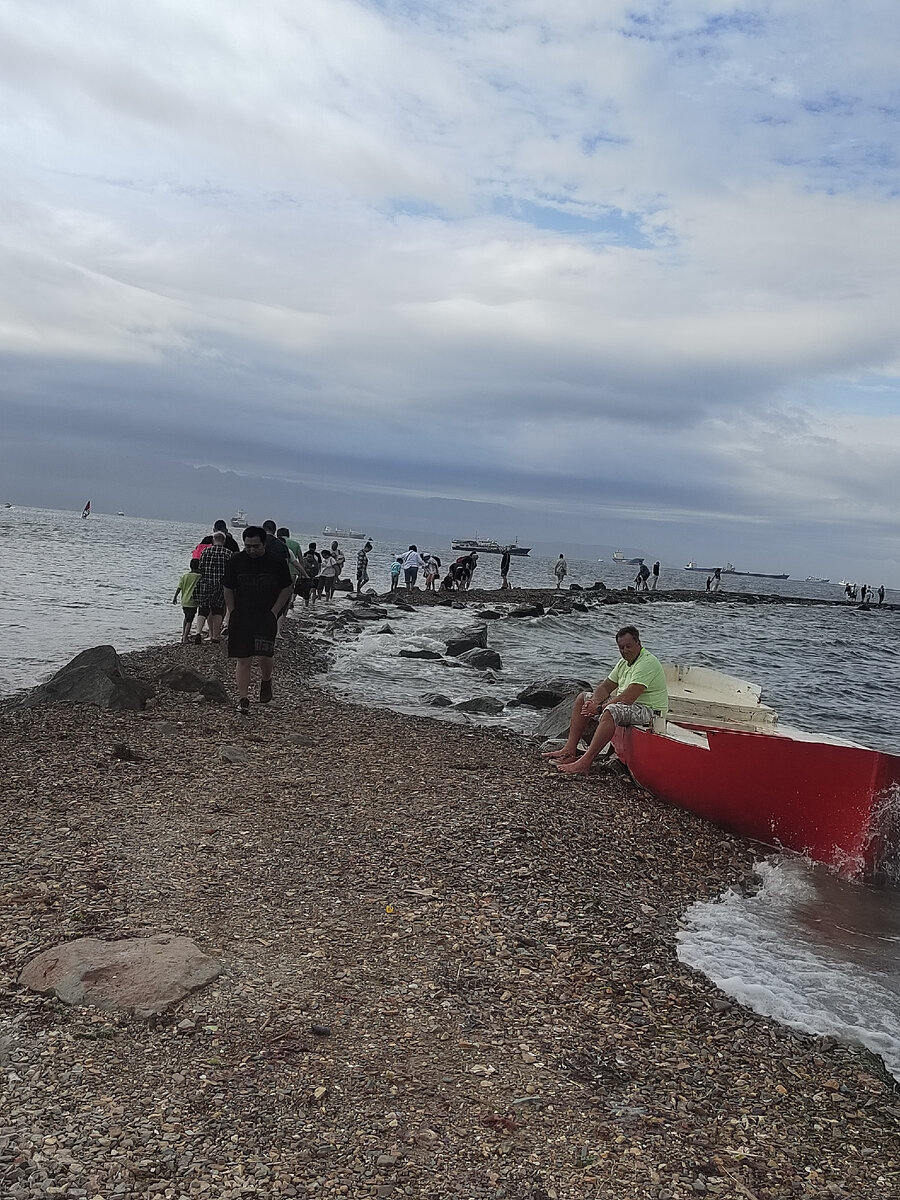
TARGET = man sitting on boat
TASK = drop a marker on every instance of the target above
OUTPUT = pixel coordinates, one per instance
(638, 684)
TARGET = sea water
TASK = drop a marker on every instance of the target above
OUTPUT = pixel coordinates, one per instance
(808, 948)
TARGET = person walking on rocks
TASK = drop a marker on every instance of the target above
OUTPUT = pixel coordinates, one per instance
(654, 576)
(327, 574)
(880, 594)
(412, 563)
(396, 568)
(638, 683)
(187, 586)
(561, 570)
(257, 587)
(717, 579)
(210, 596)
(337, 556)
(362, 567)
(504, 568)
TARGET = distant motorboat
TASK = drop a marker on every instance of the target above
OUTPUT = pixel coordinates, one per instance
(729, 569)
(239, 520)
(816, 579)
(343, 533)
(488, 546)
(87, 511)
(120, 513)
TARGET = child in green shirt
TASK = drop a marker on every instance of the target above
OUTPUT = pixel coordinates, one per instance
(187, 585)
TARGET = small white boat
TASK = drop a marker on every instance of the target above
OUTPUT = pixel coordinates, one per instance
(239, 520)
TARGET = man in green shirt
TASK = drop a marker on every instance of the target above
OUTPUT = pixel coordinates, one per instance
(638, 683)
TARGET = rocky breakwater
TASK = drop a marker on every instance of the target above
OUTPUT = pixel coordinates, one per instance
(445, 971)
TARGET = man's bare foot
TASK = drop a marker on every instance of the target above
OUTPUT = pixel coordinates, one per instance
(576, 766)
(563, 755)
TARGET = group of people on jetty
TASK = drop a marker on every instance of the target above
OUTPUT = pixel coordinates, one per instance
(245, 592)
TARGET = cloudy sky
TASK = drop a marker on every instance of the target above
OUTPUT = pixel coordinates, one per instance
(610, 273)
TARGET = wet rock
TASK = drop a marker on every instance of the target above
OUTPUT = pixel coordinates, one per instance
(384, 629)
(481, 704)
(436, 700)
(548, 693)
(420, 654)
(470, 639)
(95, 676)
(488, 614)
(142, 975)
(483, 660)
(527, 610)
(366, 612)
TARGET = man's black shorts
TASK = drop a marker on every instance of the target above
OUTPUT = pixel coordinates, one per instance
(252, 635)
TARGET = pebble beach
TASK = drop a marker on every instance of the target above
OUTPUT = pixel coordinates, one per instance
(447, 971)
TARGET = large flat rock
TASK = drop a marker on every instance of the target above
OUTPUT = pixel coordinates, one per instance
(142, 975)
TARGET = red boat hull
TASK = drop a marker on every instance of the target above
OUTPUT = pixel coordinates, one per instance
(837, 804)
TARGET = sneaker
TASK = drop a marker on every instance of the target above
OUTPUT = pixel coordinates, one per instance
(244, 706)
(265, 691)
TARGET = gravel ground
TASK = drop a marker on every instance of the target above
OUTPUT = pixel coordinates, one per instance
(448, 971)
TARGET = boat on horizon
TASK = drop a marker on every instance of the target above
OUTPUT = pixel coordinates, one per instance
(488, 546)
(343, 533)
(729, 569)
(816, 579)
(239, 520)
(722, 755)
(619, 557)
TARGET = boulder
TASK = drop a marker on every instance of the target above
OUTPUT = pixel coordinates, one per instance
(575, 587)
(343, 585)
(95, 676)
(469, 639)
(183, 679)
(527, 610)
(555, 722)
(481, 659)
(488, 614)
(550, 692)
(141, 975)
(579, 606)
(384, 628)
(481, 704)
(404, 606)
(436, 700)
(420, 654)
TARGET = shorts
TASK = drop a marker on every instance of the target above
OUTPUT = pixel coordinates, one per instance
(211, 610)
(252, 635)
(410, 574)
(189, 614)
(625, 715)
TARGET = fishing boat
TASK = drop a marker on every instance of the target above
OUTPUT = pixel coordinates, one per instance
(343, 533)
(729, 569)
(239, 520)
(86, 511)
(488, 546)
(723, 755)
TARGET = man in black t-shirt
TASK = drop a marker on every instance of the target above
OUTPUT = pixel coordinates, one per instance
(257, 586)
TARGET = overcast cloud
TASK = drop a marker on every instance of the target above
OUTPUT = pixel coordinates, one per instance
(626, 273)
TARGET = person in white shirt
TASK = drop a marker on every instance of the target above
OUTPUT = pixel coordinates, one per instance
(412, 561)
